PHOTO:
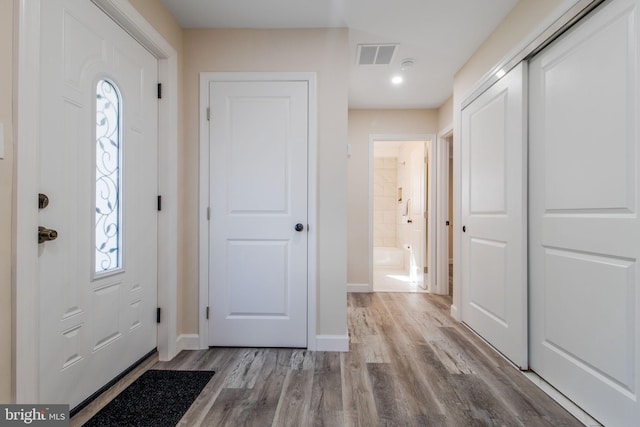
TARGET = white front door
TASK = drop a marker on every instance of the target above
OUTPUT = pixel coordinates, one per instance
(98, 167)
(258, 134)
(584, 223)
(493, 260)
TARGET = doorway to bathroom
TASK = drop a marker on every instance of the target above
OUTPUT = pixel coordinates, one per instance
(403, 195)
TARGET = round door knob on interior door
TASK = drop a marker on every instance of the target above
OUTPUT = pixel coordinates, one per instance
(299, 227)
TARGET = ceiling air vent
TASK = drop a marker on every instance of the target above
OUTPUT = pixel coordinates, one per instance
(376, 54)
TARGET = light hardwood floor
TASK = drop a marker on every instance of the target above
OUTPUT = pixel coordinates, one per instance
(409, 364)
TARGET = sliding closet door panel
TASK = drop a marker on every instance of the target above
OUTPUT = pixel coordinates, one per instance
(493, 260)
(584, 225)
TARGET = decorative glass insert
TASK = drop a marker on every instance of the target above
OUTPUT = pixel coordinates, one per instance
(108, 236)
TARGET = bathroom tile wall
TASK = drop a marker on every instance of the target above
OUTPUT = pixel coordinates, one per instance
(385, 201)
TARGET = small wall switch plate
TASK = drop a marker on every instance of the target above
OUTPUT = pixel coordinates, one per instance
(1, 141)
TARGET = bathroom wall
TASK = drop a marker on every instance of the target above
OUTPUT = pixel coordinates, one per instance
(385, 202)
(362, 125)
(410, 178)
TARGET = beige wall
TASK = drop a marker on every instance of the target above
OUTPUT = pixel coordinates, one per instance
(318, 50)
(6, 183)
(525, 17)
(162, 20)
(445, 114)
(362, 124)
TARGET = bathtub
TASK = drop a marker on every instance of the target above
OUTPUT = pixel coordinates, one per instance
(388, 257)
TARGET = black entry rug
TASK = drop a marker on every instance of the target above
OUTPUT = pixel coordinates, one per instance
(157, 398)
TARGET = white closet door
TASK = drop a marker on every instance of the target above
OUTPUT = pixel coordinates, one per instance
(493, 261)
(585, 230)
(258, 235)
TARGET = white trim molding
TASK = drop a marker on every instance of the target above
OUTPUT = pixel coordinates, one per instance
(333, 343)
(441, 285)
(455, 313)
(312, 190)
(188, 342)
(567, 13)
(26, 92)
(561, 400)
(359, 287)
(428, 138)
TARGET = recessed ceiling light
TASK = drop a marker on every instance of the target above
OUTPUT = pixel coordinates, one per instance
(396, 80)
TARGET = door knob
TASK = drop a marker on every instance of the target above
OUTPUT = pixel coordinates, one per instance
(46, 234)
(299, 227)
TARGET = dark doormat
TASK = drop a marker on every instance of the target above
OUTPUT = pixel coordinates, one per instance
(157, 398)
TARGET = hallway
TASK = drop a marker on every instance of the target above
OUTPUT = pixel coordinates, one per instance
(409, 364)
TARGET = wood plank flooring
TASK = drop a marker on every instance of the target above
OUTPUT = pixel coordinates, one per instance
(409, 364)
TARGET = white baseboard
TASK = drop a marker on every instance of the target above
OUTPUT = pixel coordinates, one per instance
(454, 313)
(359, 287)
(332, 343)
(323, 342)
(188, 342)
(571, 407)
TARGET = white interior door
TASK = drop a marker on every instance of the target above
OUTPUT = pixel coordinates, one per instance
(585, 229)
(98, 166)
(258, 228)
(493, 264)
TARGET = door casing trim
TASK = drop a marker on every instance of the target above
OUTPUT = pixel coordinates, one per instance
(445, 137)
(312, 184)
(430, 227)
(26, 101)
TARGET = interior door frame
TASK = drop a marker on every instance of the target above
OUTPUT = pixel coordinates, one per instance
(26, 99)
(312, 195)
(432, 149)
(441, 286)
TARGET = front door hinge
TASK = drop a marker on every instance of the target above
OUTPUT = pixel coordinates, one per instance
(207, 312)
(158, 315)
(159, 90)
(159, 203)
(208, 114)
(208, 213)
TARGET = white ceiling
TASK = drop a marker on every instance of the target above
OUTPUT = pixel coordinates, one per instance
(440, 35)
